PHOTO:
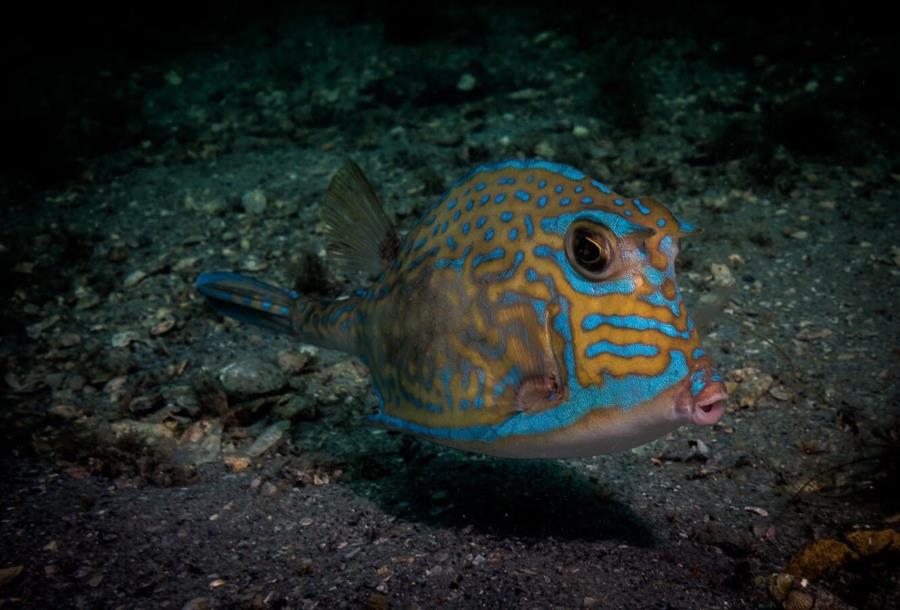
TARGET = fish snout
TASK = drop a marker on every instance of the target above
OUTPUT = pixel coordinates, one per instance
(702, 397)
(709, 404)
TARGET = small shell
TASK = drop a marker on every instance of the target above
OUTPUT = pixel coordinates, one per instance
(799, 600)
(780, 585)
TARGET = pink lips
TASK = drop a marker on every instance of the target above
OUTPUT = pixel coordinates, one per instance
(709, 405)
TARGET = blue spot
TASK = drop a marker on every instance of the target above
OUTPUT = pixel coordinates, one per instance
(446, 375)
(579, 188)
(686, 227)
(493, 255)
(421, 258)
(628, 213)
(451, 204)
(523, 196)
(466, 228)
(456, 263)
(512, 378)
(508, 273)
(529, 179)
(697, 353)
(529, 228)
(284, 311)
(480, 222)
(559, 188)
(451, 243)
(444, 227)
(457, 214)
(565, 201)
(506, 180)
(419, 244)
(435, 230)
(629, 350)
(500, 198)
(641, 207)
(586, 200)
(698, 382)
(531, 274)
(489, 235)
(513, 234)
(506, 216)
(602, 187)
(470, 204)
(485, 199)
(618, 202)
(542, 201)
(661, 222)
(480, 186)
(266, 305)
(542, 184)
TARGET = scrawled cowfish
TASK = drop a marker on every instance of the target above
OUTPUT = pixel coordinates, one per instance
(532, 312)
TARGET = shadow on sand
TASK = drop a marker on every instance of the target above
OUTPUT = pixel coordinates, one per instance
(521, 498)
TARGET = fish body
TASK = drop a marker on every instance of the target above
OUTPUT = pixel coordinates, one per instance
(532, 312)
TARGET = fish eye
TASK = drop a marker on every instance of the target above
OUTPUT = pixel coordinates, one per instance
(589, 251)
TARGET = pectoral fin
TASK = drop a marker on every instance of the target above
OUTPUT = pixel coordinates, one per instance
(529, 346)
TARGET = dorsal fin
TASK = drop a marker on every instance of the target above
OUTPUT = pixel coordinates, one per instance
(360, 235)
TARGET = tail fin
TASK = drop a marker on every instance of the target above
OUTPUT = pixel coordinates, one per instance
(248, 300)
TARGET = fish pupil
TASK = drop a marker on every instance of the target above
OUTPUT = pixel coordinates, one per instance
(590, 250)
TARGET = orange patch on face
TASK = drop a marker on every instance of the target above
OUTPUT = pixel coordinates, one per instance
(668, 289)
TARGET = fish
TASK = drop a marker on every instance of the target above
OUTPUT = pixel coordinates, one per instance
(531, 312)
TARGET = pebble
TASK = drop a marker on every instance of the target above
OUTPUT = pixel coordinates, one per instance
(173, 78)
(779, 392)
(7, 575)
(528, 93)
(134, 278)
(254, 201)
(34, 331)
(68, 340)
(198, 603)
(124, 338)
(292, 361)
(466, 82)
(117, 253)
(269, 438)
(201, 443)
(86, 299)
(251, 377)
(580, 131)
(252, 263)
(185, 264)
(813, 334)
(722, 275)
(544, 149)
(751, 386)
(298, 407)
(237, 463)
(63, 411)
(152, 434)
(162, 327)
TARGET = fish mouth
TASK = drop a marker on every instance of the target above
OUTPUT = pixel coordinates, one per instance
(709, 405)
(706, 407)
